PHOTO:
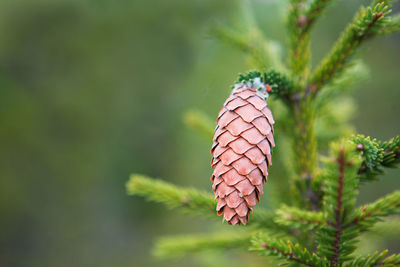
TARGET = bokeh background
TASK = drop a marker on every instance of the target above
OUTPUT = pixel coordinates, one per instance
(94, 90)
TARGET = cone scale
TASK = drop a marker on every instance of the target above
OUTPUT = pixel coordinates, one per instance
(241, 150)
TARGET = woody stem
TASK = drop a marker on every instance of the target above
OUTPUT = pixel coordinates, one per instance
(305, 150)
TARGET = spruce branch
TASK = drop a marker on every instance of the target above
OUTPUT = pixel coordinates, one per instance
(281, 86)
(178, 246)
(299, 56)
(189, 200)
(393, 26)
(285, 250)
(392, 260)
(304, 145)
(200, 122)
(295, 218)
(391, 150)
(366, 24)
(376, 155)
(376, 259)
(372, 154)
(366, 216)
(340, 191)
(265, 219)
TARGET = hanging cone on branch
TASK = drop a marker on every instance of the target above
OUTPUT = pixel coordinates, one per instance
(241, 149)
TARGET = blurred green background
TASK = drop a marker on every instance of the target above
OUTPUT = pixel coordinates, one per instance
(91, 91)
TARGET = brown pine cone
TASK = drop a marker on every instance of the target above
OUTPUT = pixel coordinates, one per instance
(241, 150)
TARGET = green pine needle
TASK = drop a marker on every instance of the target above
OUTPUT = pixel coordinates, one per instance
(285, 250)
(340, 192)
(376, 259)
(366, 24)
(295, 218)
(178, 246)
(376, 155)
(189, 200)
(369, 214)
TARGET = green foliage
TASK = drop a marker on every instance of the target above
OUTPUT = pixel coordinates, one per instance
(377, 155)
(393, 26)
(340, 192)
(281, 86)
(189, 200)
(391, 152)
(368, 215)
(177, 246)
(366, 24)
(266, 245)
(376, 259)
(320, 225)
(295, 218)
(299, 44)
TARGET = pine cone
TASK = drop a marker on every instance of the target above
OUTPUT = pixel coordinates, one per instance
(241, 150)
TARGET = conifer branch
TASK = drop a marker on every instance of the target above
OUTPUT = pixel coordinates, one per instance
(200, 122)
(300, 21)
(177, 246)
(295, 218)
(392, 260)
(305, 152)
(189, 200)
(366, 24)
(285, 250)
(393, 26)
(299, 56)
(369, 214)
(376, 155)
(265, 219)
(281, 86)
(340, 188)
(376, 259)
